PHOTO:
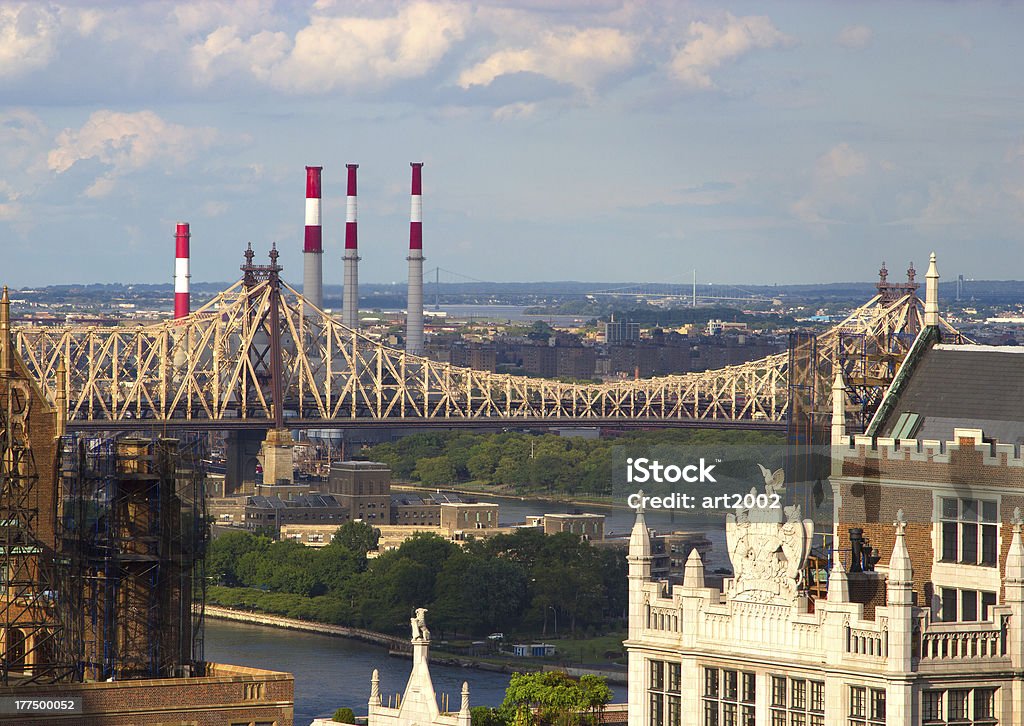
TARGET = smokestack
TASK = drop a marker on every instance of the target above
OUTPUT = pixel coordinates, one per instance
(181, 270)
(350, 306)
(313, 249)
(931, 294)
(414, 316)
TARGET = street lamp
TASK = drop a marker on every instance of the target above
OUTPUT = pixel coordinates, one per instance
(552, 609)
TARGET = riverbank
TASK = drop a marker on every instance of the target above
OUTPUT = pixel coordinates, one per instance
(402, 648)
(391, 642)
(604, 502)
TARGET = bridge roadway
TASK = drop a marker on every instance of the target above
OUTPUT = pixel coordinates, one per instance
(305, 424)
(261, 350)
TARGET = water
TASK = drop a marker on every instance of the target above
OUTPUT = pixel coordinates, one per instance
(501, 313)
(333, 672)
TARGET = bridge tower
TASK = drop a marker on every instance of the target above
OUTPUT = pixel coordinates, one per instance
(277, 451)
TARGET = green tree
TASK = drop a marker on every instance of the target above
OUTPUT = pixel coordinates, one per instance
(225, 552)
(554, 698)
(357, 537)
(435, 471)
(344, 715)
(484, 716)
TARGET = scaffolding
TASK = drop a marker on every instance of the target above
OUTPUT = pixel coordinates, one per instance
(132, 529)
(30, 571)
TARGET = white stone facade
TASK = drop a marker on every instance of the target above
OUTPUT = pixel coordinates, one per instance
(762, 655)
(418, 704)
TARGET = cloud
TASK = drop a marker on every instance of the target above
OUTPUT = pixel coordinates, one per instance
(27, 38)
(569, 55)
(711, 45)
(336, 52)
(836, 192)
(841, 161)
(854, 36)
(223, 52)
(23, 141)
(126, 142)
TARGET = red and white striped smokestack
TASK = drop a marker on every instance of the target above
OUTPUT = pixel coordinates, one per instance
(313, 249)
(414, 314)
(350, 303)
(181, 270)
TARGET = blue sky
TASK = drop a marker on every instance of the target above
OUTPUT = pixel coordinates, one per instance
(588, 140)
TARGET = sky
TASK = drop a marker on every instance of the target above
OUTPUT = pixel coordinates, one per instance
(602, 140)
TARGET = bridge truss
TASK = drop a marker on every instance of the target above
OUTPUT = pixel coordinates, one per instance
(258, 351)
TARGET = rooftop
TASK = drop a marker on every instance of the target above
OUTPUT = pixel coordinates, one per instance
(957, 386)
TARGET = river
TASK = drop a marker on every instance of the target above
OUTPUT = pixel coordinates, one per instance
(333, 672)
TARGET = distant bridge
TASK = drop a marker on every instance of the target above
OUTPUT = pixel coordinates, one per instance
(259, 354)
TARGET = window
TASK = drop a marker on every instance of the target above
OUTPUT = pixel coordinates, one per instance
(966, 605)
(962, 706)
(867, 706)
(797, 702)
(728, 697)
(969, 531)
(664, 683)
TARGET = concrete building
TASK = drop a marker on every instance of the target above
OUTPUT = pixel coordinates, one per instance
(270, 513)
(465, 518)
(934, 634)
(363, 488)
(587, 526)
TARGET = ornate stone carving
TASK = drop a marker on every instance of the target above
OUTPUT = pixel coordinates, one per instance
(419, 626)
(768, 547)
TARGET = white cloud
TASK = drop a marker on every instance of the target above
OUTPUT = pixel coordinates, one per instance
(126, 142)
(570, 55)
(836, 189)
(514, 111)
(854, 36)
(841, 161)
(23, 141)
(198, 17)
(27, 38)
(223, 52)
(710, 45)
(333, 52)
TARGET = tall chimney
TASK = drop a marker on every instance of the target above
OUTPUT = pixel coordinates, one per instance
(181, 270)
(350, 305)
(931, 294)
(414, 316)
(313, 249)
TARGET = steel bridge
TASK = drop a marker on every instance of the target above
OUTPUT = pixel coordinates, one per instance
(258, 354)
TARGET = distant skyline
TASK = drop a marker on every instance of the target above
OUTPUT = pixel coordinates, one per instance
(779, 142)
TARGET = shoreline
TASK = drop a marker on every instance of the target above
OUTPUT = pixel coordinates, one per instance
(395, 646)
(519, 497)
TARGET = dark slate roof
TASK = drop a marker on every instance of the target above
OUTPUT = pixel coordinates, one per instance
(964, 386)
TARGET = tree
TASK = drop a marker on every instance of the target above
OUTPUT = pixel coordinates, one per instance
(484, 716)
(435, 471)
(554, 698)
(344, 715)
(357, 537)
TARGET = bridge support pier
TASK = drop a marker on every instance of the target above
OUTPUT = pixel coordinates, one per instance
(241, 458)
(278, 457)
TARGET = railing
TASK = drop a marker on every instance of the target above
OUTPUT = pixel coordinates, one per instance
(863, 642)
(964, 644)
